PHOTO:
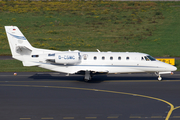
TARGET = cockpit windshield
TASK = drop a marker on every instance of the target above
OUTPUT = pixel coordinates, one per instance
(149, 58)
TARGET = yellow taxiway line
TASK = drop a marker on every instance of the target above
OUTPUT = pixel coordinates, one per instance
(107, 91)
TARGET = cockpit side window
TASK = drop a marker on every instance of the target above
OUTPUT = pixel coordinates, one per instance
(149, 58)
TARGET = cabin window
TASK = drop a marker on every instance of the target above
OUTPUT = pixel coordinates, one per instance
(142, 58)
(103, 58)
(111, 58)
(127, 58)
(119, 58)
(95, 58)
(35, 56)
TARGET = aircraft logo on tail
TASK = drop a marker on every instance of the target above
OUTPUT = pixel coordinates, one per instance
(18, 37)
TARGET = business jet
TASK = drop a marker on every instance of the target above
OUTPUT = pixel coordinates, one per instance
(83, 63)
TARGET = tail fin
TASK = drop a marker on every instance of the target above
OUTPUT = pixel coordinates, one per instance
(19, 45)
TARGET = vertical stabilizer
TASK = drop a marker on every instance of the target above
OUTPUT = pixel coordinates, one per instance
(18, 43)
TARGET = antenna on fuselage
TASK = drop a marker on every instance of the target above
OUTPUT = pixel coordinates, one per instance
(98, 50)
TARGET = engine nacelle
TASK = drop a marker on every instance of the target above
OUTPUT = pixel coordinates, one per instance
(68, 58)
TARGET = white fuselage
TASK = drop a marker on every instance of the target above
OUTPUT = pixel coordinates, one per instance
(110, 62)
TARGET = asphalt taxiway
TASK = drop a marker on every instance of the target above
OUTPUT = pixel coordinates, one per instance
(54, 96)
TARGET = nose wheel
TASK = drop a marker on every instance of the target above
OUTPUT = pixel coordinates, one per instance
(159, 78)
(158, 74)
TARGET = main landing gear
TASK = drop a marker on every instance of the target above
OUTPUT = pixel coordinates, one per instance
(87, 76)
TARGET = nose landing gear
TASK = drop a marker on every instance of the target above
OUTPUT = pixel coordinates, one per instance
(158, 74)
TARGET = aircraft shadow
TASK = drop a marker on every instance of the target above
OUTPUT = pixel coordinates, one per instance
(100, 78)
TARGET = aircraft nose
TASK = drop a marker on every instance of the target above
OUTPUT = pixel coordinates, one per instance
(168, 67)
(171, 68)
